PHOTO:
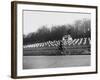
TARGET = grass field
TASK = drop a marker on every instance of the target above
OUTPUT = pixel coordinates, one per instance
(51, 51)
(36, 62)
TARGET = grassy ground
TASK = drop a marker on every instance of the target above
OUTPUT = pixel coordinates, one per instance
(51, 51)
(35, 62)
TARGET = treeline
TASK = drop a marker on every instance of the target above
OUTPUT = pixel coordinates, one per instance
(80, 29)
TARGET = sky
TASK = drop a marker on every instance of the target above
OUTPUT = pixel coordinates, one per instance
(33, 20)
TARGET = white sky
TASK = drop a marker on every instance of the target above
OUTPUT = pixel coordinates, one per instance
(33, 20)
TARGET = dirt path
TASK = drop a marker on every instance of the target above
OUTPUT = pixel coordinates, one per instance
(33, 62)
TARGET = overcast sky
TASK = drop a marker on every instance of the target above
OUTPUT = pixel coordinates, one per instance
(33, 20)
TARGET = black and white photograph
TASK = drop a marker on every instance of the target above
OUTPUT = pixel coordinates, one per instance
(53, 39)
(56, 39)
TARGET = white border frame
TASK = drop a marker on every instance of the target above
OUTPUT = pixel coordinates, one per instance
(33, 72)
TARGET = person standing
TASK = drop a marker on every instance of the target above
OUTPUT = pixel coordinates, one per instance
(61, 47)
(66, 39)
